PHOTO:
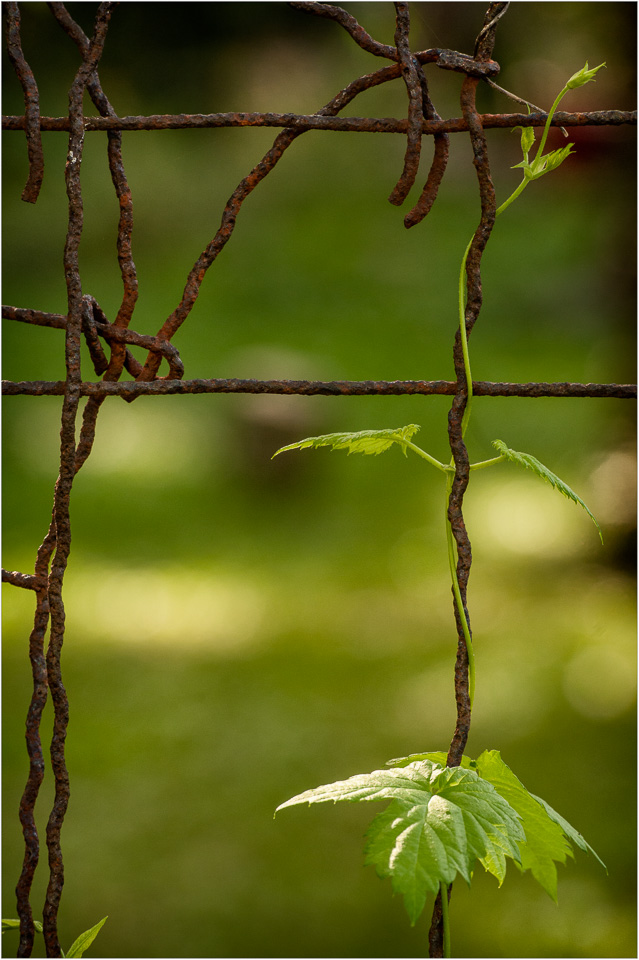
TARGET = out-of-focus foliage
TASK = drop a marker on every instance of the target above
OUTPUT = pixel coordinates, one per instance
(239, 627)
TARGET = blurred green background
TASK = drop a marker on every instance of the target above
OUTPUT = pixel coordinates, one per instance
(241, 629)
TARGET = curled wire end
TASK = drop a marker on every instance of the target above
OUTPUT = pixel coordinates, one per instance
(36, 173)
(419, 211)
(435, 175)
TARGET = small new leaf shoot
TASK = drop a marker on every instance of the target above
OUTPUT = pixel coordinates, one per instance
(542, 165)
(368, 442)
(439, 822)
(527, 139)
(531, 463)
(363, 441)
(84, 941)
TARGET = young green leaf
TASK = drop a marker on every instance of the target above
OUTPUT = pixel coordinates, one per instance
(439, 822)
(527, 139)
(569, 830)
(84, 941)
(363, 441)
(531, 463)
(542, 165)
(545, 840)
(547, 834)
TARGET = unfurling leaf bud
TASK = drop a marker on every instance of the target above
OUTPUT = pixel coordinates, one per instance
(583, 76)
(541, 165)
(527, 139)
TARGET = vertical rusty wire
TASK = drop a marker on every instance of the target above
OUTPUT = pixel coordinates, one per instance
(34, 746)
(61, 516)
(31, 104)
(123, 193)
(483, 50)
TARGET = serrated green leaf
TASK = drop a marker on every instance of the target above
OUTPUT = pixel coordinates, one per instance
(439, 822)
(531, 463)
(416, 846)
(547, 834)
(545, 841)
(569, 830)
(363, 441)
(408, 785)
(84, 941)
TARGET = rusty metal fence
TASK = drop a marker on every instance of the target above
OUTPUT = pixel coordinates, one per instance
(109, 339)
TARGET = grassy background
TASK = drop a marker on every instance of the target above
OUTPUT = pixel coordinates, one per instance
(241, 629)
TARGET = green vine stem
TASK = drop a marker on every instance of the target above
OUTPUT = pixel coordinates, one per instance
(532, 170)
(463, 619)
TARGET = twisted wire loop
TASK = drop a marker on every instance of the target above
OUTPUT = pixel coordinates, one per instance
(448, 59)
(262, 169)
(96, 325)
(119, 356)
(411, 76)
(31, 104)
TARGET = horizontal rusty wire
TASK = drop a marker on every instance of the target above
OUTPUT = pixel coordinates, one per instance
(327, 388)
(314, 121)
(28, 581)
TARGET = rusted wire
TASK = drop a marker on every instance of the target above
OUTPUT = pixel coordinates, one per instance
(93, 328)
(315, 121)
(411, 75)
(325, 388)
(61, 517)
(483, 51)
(350, 24)
(439, 162)
(26, 580)
(34, 744)
(31, 104)
(246, 186)
(123, 193)
(483, 48)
